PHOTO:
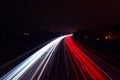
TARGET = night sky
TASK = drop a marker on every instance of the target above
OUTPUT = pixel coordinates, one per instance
(58, 15)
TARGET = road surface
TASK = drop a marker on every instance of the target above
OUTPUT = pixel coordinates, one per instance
(64, 59)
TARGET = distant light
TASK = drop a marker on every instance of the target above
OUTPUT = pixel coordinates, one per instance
(27, 34)
(97, 38)
(106, 37)
(86, 37)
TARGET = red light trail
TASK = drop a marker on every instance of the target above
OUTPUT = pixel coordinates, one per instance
(86, 66)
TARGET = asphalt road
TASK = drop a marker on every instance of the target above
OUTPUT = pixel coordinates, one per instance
(65, 59)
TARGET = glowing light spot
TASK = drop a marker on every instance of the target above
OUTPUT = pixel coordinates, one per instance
(106, 37)
(27, 34)
(97, 38)
(86, 37)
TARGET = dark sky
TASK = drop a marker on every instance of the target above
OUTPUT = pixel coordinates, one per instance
(58, 15)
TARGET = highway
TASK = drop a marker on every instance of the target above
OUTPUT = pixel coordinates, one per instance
(64, 58)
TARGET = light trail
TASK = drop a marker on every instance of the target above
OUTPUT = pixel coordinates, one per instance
(97, 56)
(87, 67)
(42, 57)
(68, 61)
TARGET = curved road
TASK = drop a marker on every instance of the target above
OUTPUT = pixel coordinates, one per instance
(64, 59)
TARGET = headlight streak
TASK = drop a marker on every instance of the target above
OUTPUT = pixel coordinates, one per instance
(81, 59)
(27, 63)
(45, 65)
(42, 63)
(19, 70)
(27, 67)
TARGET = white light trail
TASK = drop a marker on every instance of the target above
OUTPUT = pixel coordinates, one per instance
(47, 50)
